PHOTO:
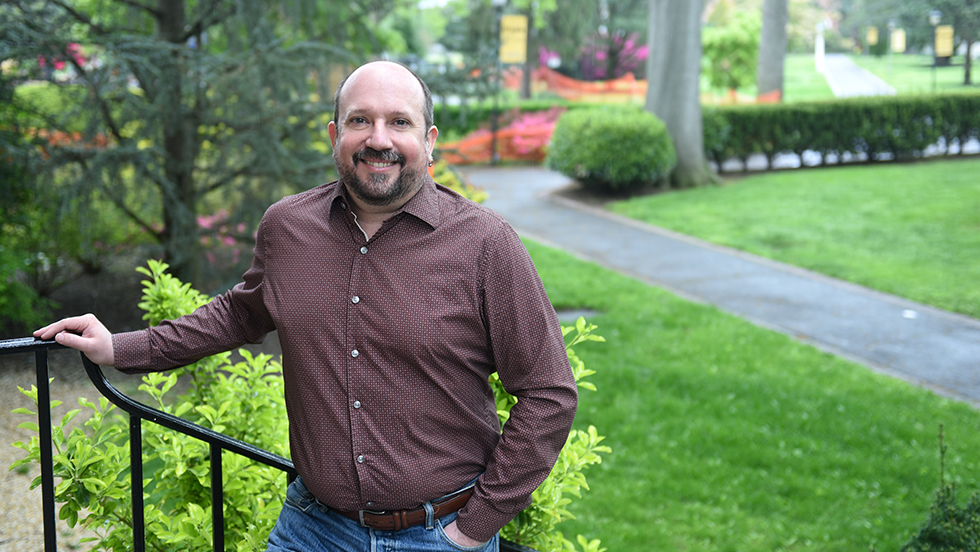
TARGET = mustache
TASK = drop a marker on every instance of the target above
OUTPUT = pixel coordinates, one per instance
(387, 155)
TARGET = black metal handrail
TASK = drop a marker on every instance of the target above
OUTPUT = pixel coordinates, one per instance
(137, 412)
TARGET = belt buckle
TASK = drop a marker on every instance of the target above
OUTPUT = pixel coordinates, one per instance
(360, 516)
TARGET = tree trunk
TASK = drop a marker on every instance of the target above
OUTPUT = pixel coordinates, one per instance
(673, 93)
(772, 47)
(179, 193)
(530, 61)
(967, 61)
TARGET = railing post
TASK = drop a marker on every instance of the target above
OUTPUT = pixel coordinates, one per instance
(217, 500)
(136, 481)
(47, 455)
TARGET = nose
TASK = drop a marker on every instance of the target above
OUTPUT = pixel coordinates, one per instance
(379, 138)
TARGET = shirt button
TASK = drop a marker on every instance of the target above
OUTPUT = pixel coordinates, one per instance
(364, 250)
(355, 299)
(369, 503)
(357, 404)
(354, 353)
(360, 459)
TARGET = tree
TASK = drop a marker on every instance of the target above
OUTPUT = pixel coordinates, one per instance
(772, 47)
(673, 74)
(731, 51)
(180, 107)
(965, 17)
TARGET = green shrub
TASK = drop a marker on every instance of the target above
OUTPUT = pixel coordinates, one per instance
(612, 149)
(245, 401)
(899, 127)
(950, 528)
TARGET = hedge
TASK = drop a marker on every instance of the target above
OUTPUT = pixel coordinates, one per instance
(893, 127)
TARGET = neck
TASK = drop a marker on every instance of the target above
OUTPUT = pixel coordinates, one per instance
(370, 217)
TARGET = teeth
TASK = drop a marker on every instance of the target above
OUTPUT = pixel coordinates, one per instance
(378, 165)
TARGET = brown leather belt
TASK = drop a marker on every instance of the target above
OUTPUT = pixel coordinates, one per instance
(395, 521)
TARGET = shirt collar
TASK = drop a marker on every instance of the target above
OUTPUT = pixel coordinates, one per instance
(424, 205)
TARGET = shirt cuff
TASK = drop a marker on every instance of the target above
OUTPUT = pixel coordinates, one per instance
(131, 351)
(480, 521)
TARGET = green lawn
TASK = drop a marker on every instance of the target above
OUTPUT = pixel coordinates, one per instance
(801, 82)
(912, 230)
(913, 74)
(908, 74)
(728, 437)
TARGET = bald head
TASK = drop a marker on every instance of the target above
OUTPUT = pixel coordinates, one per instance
(392, 70)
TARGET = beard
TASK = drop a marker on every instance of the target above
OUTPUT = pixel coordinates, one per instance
(377, 189)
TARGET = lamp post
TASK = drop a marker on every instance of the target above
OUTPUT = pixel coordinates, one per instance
(891, 46)
(935, 16)
(498, 8)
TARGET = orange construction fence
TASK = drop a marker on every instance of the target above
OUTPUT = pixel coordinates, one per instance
(625, 88)
(527, 143)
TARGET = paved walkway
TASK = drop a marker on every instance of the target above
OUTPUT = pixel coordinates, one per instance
(912, 341)
(847, 79)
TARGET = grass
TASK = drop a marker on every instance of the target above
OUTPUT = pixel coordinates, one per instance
(908, 74)
(913, 74)
(730, 437)
(912, 230)
(802, 83)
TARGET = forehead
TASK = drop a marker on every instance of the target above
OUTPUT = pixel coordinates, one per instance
(382, 88)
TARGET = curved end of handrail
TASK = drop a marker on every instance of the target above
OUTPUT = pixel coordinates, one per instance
(140, 410)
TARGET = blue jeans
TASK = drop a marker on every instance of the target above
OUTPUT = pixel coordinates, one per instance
(306, 525)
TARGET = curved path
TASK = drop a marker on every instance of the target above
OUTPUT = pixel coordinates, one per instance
(921, 344)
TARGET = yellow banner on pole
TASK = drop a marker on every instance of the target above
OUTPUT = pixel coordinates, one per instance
(872, 36)
(898, 41)
(513, 39)
(944, 41)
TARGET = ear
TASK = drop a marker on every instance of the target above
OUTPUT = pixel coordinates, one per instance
(430, 139)
(332, 131)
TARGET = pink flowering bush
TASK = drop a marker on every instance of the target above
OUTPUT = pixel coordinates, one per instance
(608, 56)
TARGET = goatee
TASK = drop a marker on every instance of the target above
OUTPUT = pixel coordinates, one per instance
(377, 190)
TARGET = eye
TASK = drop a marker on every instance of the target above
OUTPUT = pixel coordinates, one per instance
(357, 121)
(402, 123)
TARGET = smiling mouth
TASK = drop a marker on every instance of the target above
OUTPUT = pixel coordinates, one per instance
(379, 159)
(379, 164)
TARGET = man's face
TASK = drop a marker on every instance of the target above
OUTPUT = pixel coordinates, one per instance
(380, 142)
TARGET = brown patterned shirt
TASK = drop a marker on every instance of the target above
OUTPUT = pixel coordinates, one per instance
(387, 345)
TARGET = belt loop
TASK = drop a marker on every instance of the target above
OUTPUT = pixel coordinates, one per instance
(430, 516)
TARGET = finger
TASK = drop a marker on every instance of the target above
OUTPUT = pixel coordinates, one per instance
(50, 330)
(75, 324)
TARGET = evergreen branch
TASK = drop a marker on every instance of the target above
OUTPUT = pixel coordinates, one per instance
(81, 17)
(209, 18)
(228, 178)
(133, 3)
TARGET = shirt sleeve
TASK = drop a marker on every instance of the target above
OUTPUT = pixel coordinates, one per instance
(228, 321)
(529, 352)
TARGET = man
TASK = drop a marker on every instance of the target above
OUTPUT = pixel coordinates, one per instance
(394, 299)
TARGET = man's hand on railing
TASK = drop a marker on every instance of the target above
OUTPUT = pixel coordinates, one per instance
(84, 333)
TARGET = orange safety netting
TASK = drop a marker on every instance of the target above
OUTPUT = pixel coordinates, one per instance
(625, 88)
(526, 143)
